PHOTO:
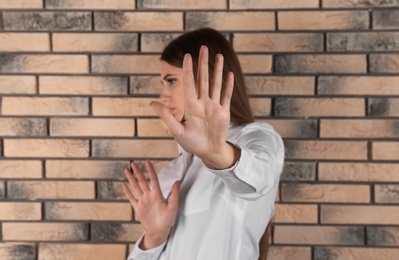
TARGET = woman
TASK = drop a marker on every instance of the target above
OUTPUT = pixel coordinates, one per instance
(215, 200)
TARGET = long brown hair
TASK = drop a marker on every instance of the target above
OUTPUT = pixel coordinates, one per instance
(191, 42)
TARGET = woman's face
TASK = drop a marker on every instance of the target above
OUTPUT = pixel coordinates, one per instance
(172, 94)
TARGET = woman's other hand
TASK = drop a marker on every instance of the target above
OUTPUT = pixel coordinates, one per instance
(157, 215)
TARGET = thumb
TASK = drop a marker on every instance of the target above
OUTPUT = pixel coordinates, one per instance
(174, 126)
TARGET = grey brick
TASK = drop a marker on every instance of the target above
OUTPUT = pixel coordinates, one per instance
(383, 236)
(2, 190)
(372, 41)
(107, 231)
(23, 126)
(299, 171)
(47, 21)
(360, 3)
(145, 85)
(324, 253)
(386, 19)
(109, 20)
(378, 106)
(384, 63)
(18, 251)
(110, 190)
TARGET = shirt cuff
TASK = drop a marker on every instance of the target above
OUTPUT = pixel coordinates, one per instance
(150, 254)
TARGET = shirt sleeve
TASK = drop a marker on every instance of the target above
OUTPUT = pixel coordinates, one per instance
(151, 254)
(260, 164)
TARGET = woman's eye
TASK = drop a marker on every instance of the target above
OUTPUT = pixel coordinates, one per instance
(171, 81)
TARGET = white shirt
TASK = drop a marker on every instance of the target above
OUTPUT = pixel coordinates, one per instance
(222, 213)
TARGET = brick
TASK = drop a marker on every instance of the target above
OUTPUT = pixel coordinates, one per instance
(358, 85)
(181, 4)
(287, 252)
(95, 42)
(20, 169)
(72, 169)
(278, 42)
(91, 127)
(17, 85)
(386, 19)
(47, 21)
(75, 85)
(11, 251)
(43, 63)
(2, 190)
(90, 5)
(384, 63)
(363, 41)
(138, 21)
(126, 64)
(359, 128)
(323, 20)
(319, 107)
(326, 150)
(156, 42)
(321, 63)
(295, 128)
(260, 106)
(365, 172)
(365, 215)
(152, 128)
(326, 193)
(125, 148)
(385, 150)
(10, 211)
(298, 171)
(23, 126)
(318, 235)
(47, 251)
(34, 190)
(225, 21)
(40, 106)
(107, 232)
(292, 213)
(18, 4)
(35, 231)
(386, 193)
(93, 211)
(122, 107)
(383, 236)
(14, 42)
(280, 85)
(110, 190)
(364, 253)
(274, 4)
(51, 148)
(359, 3)
(383, 107)
(256, 63)
(145, 85)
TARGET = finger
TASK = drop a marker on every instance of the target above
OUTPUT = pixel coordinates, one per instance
(133, 183)
(217, 78)
(188, 79)
(203, 71)
(228, 91)
(174, 196)
(133, 201)
(175, 127)
(140, 177)
(153, 177)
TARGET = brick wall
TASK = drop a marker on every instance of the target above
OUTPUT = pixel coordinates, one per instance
(76, 78)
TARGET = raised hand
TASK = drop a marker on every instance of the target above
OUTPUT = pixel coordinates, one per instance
(207, 113)
(157, 215)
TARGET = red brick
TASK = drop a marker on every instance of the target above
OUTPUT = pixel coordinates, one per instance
(17, 85)
(138, 21)
(280, 85)
(385, 150)
(323, 20)
(261, 106)
(126, 64)
(152, 127)
(74, 251)
(298, 192)
(365, 172)
(90, 4)
(94, 211)
(20, 211)
(386, 193)
(182, 4)
(358, 128)
(46, 148)
(20, 42)
(326, 150)
(318, 235)
(293, 213)
(278, 42)
(18, 4)
(122, 107)
(273, 4)
(365, 215)
(286, 252)
(45, 106)
(156, 42)
(20, 169)
(256, 63)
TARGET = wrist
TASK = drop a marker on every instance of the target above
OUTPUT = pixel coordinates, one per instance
(228, 156)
